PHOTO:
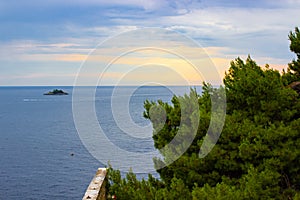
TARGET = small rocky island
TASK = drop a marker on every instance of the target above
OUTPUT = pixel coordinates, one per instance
(56, 92)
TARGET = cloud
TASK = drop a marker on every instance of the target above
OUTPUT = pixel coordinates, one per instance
(27, 50)
(261, 31)
(36, 33)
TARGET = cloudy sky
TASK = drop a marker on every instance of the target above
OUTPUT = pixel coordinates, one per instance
(46, 42)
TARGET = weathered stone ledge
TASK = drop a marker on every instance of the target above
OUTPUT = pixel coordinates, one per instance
(97, 187)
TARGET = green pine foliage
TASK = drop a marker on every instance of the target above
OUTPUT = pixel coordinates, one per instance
(257, 154)
(293, 72)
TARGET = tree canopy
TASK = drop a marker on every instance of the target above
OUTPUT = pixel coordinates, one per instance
(293, 72)
(257, 154)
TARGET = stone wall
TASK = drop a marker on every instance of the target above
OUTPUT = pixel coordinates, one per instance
(97, 189)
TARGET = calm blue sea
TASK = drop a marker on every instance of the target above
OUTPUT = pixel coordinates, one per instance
(41, 155)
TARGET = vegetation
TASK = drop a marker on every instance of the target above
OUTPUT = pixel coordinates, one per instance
(293, 73)
(257, 154)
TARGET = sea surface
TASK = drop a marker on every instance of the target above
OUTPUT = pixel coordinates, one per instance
(41, 154)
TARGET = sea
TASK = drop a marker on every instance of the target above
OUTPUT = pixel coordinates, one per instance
(42, 155)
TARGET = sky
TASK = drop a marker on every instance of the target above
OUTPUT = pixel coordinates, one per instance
(48, 42)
